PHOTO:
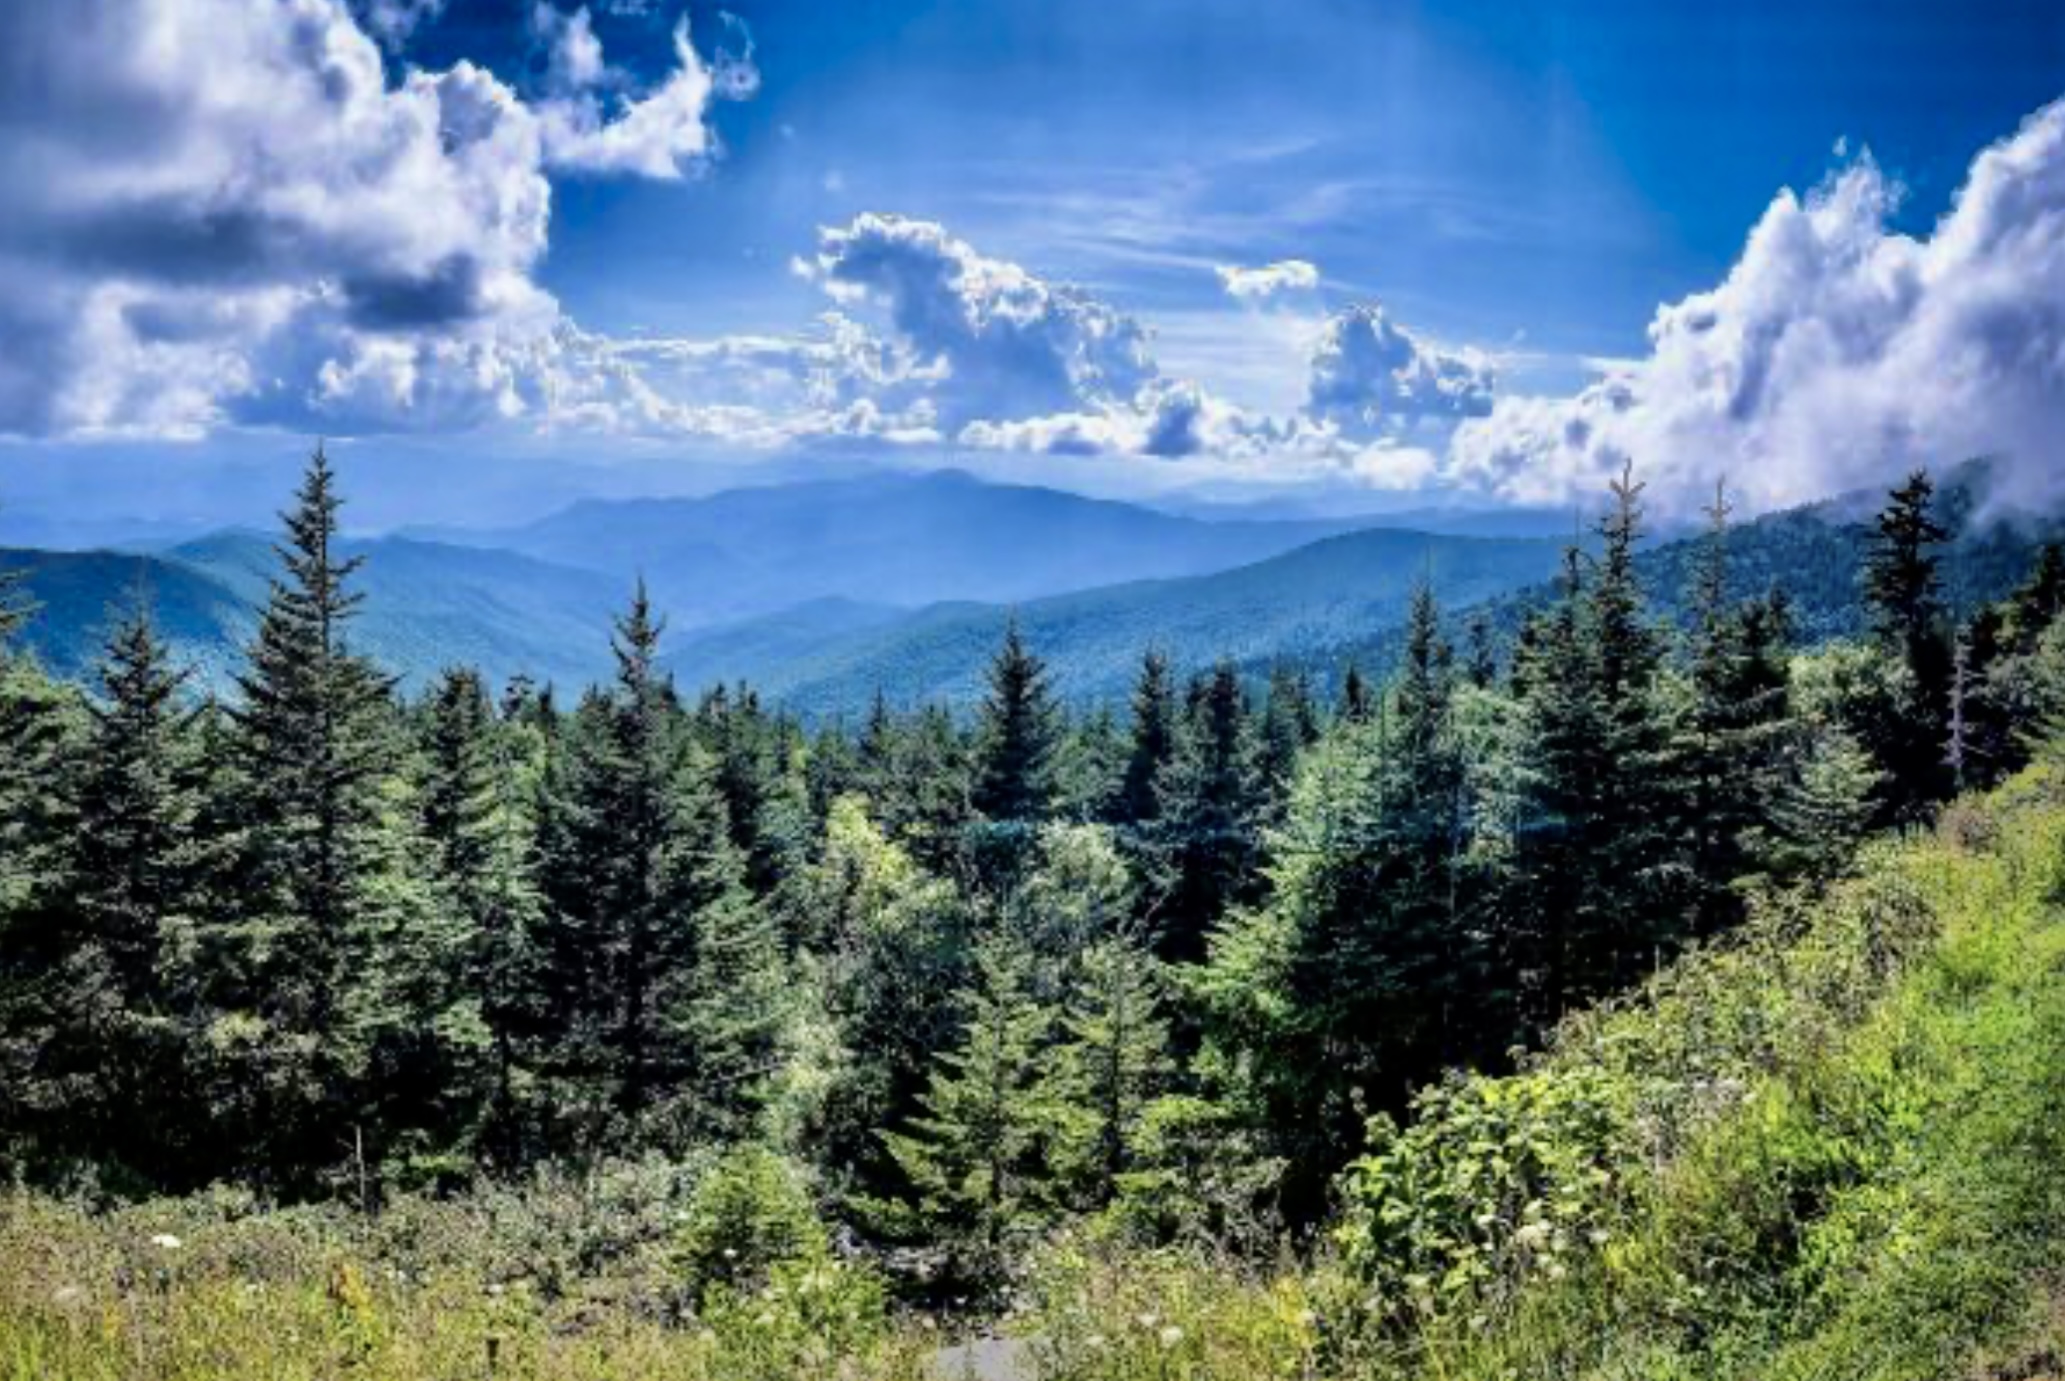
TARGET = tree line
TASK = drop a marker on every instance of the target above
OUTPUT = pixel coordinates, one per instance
(976, 975)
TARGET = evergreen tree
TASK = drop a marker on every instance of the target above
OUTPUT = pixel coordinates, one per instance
(314, 741)
(40, 731)
(1598, 870)
(1823, 814)
(477, 825)
(2036, 603)
(137, 860)
(659, 966)
(1114, 1060)
(1016, 741)
(1481, 661)
(977, 1161)
(1903, 588)
(1735, 726)
(1290, 724)
(1357, 704)
(1153, 740)
(1206, 844)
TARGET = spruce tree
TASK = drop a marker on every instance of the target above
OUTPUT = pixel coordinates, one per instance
(1114, 1060)
(976, 1162)
(480, 830)
(1735, 728)
(137, 859)
(657, 964)
(1290, 724)
(1823, 813)
(314, 741)
(1205, 849)
(1481, 661)
(1016, 739)
(1357, 703)
(1153, 740)
(1903, 586)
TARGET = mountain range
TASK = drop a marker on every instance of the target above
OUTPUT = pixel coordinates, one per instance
(820, 593)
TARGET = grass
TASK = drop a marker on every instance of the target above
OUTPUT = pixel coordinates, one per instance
(1830, 1149)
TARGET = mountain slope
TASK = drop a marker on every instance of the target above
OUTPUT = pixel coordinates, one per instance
(427, 606)
(1311, 597)
(898, 539)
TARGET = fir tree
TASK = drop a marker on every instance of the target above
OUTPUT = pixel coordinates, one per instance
(977, 1159)
(1903, 588)
(313, 744)
(1206, 845)
(1357, 704)
(1016, 740)
(1823, 814)
(1114, 1060)
(1153, 740)
(480, 831)
(1735, 726)
(1289, 726)
(1481, 661)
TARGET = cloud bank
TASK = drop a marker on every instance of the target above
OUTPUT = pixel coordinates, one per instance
(223, 212)
(1837, 352)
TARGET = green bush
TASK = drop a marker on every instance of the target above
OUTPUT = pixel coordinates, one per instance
(751, 1213)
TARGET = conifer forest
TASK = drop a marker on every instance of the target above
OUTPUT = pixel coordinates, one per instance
(1536, 997)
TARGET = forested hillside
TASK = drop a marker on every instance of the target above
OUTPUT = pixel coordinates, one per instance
(1566, 1004)
(1282, 608)
(891, 538)
(426, 606)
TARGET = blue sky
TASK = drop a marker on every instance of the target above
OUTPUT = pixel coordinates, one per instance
(1519, 243)
(1490, 171)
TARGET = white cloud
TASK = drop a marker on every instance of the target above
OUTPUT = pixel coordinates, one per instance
(1258, 284)
(1008, 344)
(221, 211)
(1369, 374)
(394, 22)
(1836, 353)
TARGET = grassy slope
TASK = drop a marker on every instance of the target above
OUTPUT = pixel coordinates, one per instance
(1837, 1140)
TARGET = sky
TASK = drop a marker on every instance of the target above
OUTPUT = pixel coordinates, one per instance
(1476, 252)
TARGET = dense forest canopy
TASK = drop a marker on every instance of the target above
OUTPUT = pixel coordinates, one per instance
(924, 990)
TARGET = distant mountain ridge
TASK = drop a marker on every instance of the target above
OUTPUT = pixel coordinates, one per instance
(892, 538)
(1322, 603)
(426, 607)
(1312, 596)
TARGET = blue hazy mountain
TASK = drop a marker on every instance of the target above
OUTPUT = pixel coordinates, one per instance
(887, 539)
(427, 606)
(1314, 596)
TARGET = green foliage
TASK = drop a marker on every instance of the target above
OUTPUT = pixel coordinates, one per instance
(750, 1215)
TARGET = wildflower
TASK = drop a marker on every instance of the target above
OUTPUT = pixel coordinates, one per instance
(1147, 1321)
(1597, 1236)
(1171, 1336)
(1532, 1234)
(165, 1241)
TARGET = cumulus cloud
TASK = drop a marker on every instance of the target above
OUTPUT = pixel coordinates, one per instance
(1369, 374)
(1836, 353)
(1007, 345)
(223, 212)
(392, 23)
(1259, 284)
